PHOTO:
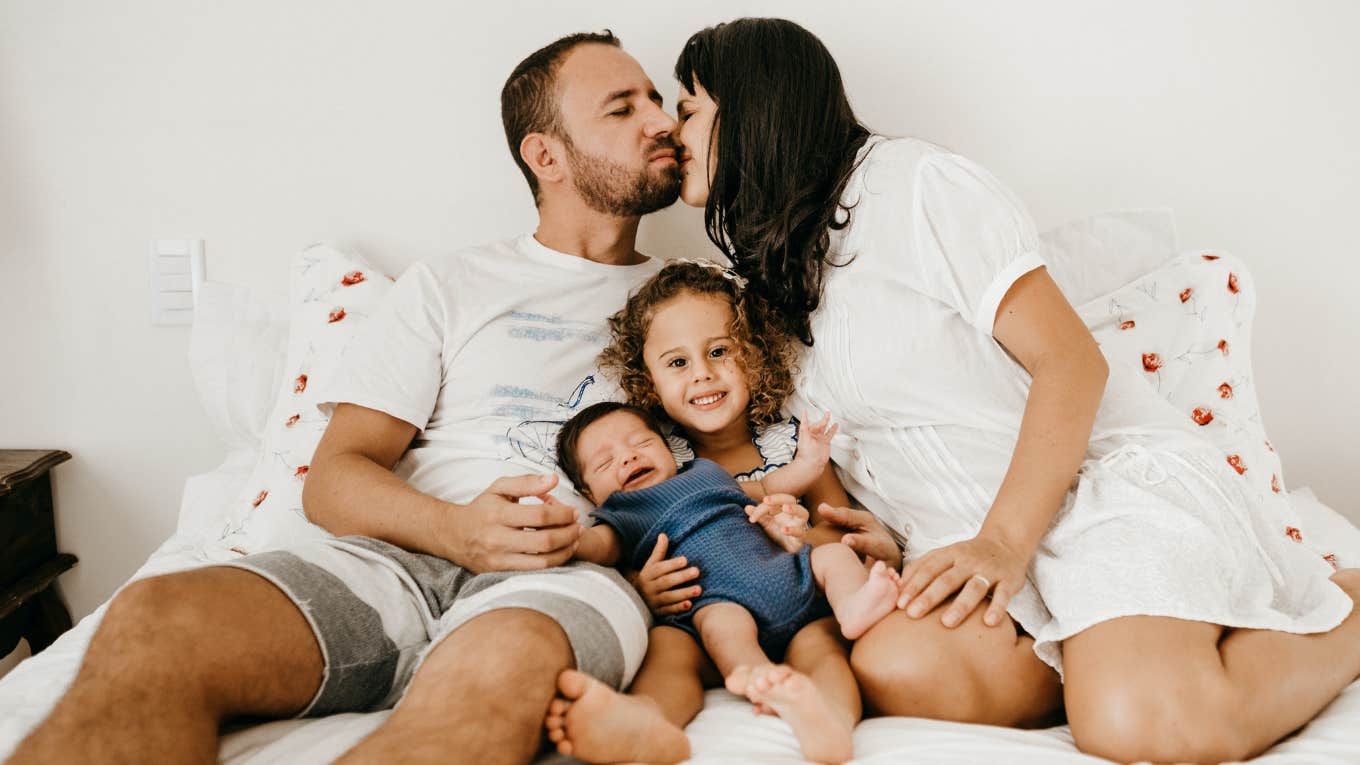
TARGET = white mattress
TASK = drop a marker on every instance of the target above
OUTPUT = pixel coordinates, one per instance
(725, 732)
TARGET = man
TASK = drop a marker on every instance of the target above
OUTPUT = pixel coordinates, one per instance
(455, 386)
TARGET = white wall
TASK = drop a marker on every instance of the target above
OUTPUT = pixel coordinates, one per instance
(264, 126)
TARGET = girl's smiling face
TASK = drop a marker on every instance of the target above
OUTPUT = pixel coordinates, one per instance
(696, 114)
(693, 363)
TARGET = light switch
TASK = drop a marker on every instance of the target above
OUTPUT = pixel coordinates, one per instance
(177, 270)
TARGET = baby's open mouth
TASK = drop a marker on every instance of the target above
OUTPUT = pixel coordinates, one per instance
(638, 474)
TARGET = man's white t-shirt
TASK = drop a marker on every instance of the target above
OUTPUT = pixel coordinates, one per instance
(487, 352)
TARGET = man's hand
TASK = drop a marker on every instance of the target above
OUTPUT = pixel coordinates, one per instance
(864, 533)
(783, 519)
(664, 582)
(495, 532)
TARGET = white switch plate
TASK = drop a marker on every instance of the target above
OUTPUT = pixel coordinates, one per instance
(177, 270)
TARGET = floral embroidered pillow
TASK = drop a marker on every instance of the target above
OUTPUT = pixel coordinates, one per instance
(1187, 325)
(331, 293)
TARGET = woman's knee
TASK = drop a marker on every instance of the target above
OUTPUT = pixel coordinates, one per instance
(1139, 720)
(904, 669)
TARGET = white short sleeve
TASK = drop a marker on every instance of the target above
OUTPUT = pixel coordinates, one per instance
(394, 365)
(973, 238)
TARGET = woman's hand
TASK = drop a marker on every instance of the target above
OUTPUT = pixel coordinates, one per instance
(985, 563)
(662, 582)
(863, 533)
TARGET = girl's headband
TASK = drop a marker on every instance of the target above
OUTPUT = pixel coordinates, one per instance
(726, 272)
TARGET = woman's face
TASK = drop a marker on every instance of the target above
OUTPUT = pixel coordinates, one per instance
(698, 156)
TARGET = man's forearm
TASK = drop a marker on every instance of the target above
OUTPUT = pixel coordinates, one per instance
(350, 494)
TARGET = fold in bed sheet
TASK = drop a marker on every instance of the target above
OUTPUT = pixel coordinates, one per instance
(726, 731)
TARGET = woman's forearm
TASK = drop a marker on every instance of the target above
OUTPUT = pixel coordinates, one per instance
(1054, 436)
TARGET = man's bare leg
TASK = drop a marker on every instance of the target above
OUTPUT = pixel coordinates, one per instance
(173, 657)
(593, 722)
(479, 696)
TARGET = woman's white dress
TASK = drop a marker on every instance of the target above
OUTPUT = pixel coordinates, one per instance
(930, 407)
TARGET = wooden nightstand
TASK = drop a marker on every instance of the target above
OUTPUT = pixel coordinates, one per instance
(30, 607)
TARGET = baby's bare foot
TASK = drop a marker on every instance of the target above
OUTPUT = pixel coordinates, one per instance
(824, 733)
(593, 722)
(870, 603)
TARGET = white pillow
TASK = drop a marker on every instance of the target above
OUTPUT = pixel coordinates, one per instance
(1095, 256)
(1187, 325)
(331, 293)
(236, 355)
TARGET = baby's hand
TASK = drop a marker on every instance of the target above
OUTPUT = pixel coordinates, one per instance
(783, 519)
(814, 442)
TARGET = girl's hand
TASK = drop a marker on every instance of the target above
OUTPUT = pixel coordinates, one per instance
(814, 441)
(662, 582)
(783, 519)
(972, 568)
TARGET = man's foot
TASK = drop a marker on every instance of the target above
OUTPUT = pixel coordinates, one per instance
(824, 733)
(874, 600)
(591, 721)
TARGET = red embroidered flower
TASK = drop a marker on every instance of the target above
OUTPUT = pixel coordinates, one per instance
(300, 384)
(239, 551)
(1232, 283)
(259, 498)
(352, 278)
(1225, 391)
(1209, 257)
(1223, 346)
(301, 472)
(1236, 461)
(291, 421)
(1151, 362)
(1202, 416)
(1127, 325)
(1331, 558)
(1275, 483)
(1269, 445)
(1293, 533)
(336, 315)
(1186, 293)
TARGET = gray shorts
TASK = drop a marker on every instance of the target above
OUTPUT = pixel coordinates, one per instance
(377, 610)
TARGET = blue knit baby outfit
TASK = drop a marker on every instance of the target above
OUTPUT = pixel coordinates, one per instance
(701, 511)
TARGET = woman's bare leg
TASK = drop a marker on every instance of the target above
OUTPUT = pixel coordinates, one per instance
(1156, 688)
(971, 673)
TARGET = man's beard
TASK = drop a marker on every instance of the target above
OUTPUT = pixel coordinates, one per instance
(608, 187)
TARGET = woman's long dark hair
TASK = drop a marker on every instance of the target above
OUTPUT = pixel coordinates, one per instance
(786, 140)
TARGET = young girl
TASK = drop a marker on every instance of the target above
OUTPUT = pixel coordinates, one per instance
(690, 346)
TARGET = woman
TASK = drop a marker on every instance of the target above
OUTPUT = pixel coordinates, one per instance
(983, 421)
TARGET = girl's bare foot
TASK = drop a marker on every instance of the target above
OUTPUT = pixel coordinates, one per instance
(870, 603)
(824, 733)
(593, 722)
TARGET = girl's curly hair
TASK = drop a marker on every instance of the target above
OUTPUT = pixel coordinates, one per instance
(763, 348)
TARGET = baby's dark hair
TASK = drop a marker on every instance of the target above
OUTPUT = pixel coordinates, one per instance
(569, 437)
(763, 348)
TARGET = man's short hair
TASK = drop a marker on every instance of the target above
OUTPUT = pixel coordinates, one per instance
(529, 102)
(569, 437)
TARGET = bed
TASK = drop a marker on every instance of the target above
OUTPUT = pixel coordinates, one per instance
(1185, 317)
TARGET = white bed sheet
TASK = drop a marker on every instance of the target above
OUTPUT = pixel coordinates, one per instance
(725, 732)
